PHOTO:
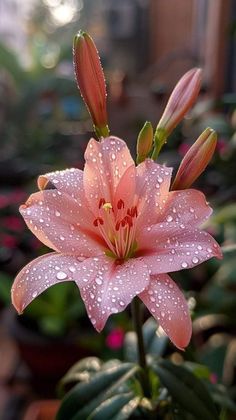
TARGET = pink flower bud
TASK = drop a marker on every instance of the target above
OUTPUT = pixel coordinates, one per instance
(195, 160)
(180, 102)
(90, 80)
(144, 142)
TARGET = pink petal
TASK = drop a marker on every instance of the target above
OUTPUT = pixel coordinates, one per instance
(126, 188)
(187, 207)
(107, 287)
(165, 250)
(62, 223)
(167, 304)
(153, 182)
(69, 181)
(105, 165)
(40, 274)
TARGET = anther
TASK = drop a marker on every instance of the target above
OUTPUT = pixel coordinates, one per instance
(134, 211)
(120, 204)
(101, 202)
(117, 226)
(98, 221)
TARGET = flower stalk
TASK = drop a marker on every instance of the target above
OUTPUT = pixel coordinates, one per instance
(137, 322)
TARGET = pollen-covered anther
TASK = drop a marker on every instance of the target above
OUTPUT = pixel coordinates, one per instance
(98, 221)
(107, 207)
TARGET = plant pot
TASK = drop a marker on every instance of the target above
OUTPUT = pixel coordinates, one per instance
(42, 410)
(48, 359)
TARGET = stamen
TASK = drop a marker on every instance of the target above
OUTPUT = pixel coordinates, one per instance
(134, 211)
(107, 206)
(129, 221)
(98, 221)
(117, 226)
(101, 202)
(120, 204)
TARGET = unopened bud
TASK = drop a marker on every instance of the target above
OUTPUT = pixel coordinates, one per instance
(144, 142)
(181, 100)
(195, 160)
(91, 82)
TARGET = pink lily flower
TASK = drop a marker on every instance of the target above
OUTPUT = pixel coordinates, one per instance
(116, 230)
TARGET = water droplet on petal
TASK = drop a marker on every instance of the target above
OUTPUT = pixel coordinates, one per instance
(61, 275)
(184, 264)
(98, 281)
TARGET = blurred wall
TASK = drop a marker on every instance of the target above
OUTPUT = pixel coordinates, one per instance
(187, 33)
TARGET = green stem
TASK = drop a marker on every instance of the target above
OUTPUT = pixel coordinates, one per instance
(102, 131)
(137, 321)
(160, 137)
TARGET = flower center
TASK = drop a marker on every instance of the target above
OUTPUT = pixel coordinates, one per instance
(117, 226)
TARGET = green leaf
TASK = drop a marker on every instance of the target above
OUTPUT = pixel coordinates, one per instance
(130, 347)
(85, 396)
(225, 214)
(198, 370)
(187, 390)
(153, 343)
(220, 395)
(111, 407)
(5, 288)
(127, 409)
(81, 371)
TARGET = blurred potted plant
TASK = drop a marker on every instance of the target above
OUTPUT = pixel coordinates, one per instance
(52, 334)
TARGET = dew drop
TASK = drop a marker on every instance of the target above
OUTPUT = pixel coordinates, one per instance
(34, 294)
(98, 281)
(57, 213)
(184, 264)
(195, 260)
(61, 275)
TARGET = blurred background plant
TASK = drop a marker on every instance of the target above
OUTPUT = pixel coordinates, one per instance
(44, 126)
